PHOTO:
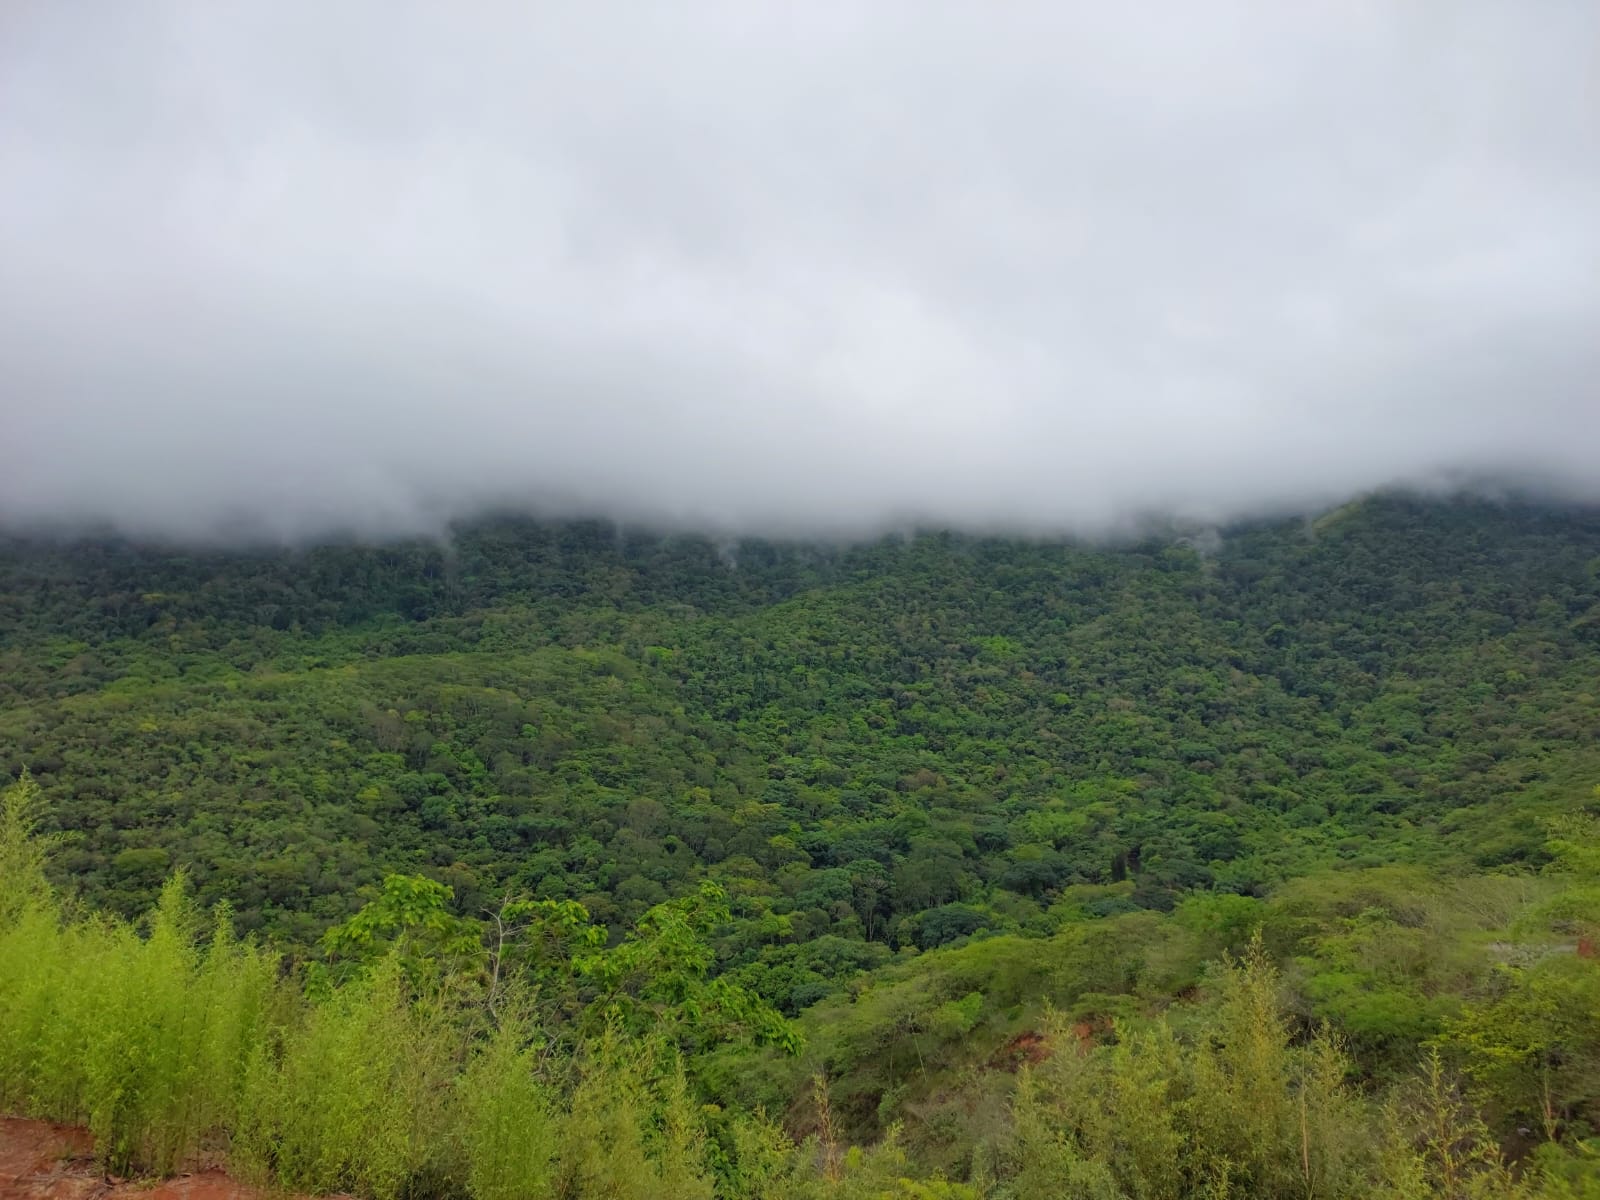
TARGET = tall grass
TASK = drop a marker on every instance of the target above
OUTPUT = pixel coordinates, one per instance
(143, 1039)
(508, 1124)
(352, 1097)
(1243, 1109)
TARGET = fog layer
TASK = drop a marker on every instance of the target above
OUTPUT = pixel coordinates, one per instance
(804, 268)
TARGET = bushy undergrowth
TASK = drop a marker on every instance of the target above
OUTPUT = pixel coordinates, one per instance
(173, 1041)
(412, 1073)
(144, 1037)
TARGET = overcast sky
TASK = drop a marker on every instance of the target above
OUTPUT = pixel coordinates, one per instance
(798, 267)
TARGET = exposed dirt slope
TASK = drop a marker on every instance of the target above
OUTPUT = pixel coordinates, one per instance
(41, 1161)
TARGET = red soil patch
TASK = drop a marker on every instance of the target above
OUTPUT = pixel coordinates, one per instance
(38, 1159)
(1085, 1032)
(41, 1161)
(1032, 1047)
(1028, 1048)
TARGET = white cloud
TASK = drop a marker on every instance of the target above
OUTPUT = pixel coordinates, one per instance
(794, 267)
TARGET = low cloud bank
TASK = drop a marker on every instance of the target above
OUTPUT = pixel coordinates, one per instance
(808, 270)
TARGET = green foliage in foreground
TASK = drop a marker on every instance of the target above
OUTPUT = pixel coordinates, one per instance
(423, 1063)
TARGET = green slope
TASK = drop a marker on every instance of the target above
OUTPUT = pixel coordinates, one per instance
(609, 717)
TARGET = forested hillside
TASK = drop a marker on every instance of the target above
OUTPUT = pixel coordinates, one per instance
(961, 831)
(855, 737)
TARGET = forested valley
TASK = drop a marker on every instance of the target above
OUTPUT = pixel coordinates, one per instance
(566, 859)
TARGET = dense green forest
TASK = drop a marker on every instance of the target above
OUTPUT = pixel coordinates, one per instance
(1256, 862)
